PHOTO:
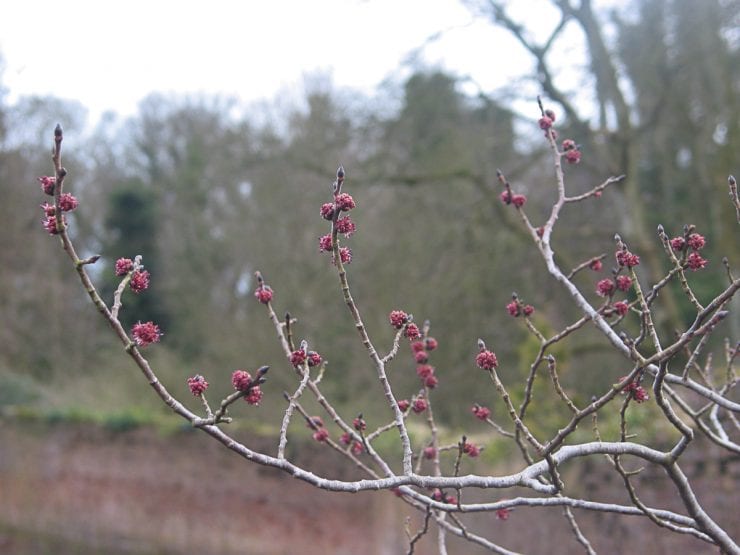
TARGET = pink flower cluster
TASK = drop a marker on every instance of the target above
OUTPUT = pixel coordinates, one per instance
(694, 261)
(626, 258)
(481, 413)
(471, 449)
(242, 381)
(197, 385)
(146, 333)
(486, 360)
(263, 293)
(638, 393)
(515, 308)
(420, 350)
(67, 203)
(343, 202)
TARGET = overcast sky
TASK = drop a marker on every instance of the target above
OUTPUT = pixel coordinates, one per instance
(110, 55)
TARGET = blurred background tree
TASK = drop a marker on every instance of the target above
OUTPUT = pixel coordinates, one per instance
(209, 192)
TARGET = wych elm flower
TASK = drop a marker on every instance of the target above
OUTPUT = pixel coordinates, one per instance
(605, 287)
(638, 392)
(513, 308)
(421, 357)
(403, 405)
(430, 452)
(50, 224)
(357, 448)
(241, 380)
(145, 333)
(345, 438)
(545, 123)
(263, 294)
(621, 308)
(528, 310)
(417, 346)
(624, 283)
(696, 241)
(506, 197)
(298, 357)
(48, 209)
(596, 265)
(430, 343)
(424, 370)
(344, 202)
(481, 413)
(518, 200)
(47, 184)
(67, 202)
(197, 385)
(678, 243)
(124, 266)
(314, 358)
(398, 318)
(626, 258)
(420, 405)
(345, 255)
(431, 381)
(359, 423)
(327, 211)
(321, 435)
(254, 396)
(471, 449)
(315, 422)
(325, 243)
(503, 514)
(568, 144)
(695, 261)
(412, 331)
(346, 226)
(573, 156)
(139, 281)
(486, 360)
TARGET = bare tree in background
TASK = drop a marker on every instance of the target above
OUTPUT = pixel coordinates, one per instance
(694, 394)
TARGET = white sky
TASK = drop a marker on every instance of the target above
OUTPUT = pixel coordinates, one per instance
(109, 55)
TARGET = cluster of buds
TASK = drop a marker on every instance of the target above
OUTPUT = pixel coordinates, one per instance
(343, 202)
(485, 359)
(637, 392)
(569, 149)
(421, 349)
(197, 385)
(690, 245)
(146, 333)
(507, 196)
(626, 258)
(303, 355)
(316, 423)
(355, 446)
(439, 495)
(263, 293)
(67, 203)
(470, 449)
(516, 308)
(419, 405)
(481, 413)
(139, 277)
(242, 381)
